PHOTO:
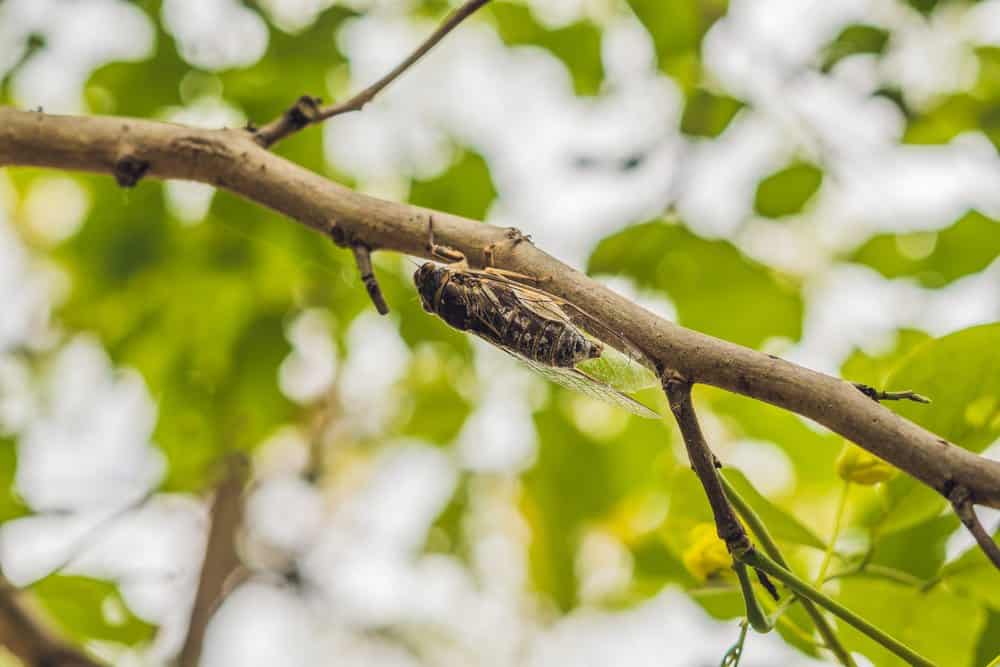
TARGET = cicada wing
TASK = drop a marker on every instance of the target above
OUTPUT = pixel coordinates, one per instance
(554, 307)
(574, 378)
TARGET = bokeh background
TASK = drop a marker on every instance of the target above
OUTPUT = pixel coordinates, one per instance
(819, 180)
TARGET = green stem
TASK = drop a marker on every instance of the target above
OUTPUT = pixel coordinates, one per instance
(735, 652)
(756, 615)
(828, 555)
(755, 558)
(771, 547)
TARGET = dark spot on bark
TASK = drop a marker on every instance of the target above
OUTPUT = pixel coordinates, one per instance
(942, 441)
(338, 236)
(773, 356)
(129, 170)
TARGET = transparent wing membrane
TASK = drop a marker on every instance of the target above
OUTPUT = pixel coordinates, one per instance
(575, 379)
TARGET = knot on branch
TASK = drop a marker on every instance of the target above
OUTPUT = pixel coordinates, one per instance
(129, 170)
(303, 113)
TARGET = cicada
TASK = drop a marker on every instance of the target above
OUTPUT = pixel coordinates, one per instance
(551, 336)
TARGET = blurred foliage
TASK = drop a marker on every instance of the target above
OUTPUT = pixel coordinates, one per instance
(201, 310)
(88, 609)
(758, 302)
(855, 39)
(10, 506)
(935, 259)
(977, 109)
(706, 114)
(464, 189)
(677, 27)
(786, 191)
(577, 45)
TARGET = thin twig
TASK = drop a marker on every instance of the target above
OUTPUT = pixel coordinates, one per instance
(307, 110)
(362, 256)
(770, 547)
(876, 395)
(705, 466)
(961, 502)
(729, 528)
(221, 559)
(29, 640)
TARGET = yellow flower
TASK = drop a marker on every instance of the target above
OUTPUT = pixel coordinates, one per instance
(861, 467)
(707, 555)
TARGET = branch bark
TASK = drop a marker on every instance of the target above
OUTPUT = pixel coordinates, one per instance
(231, 159)
(26, 637)
(222, 562)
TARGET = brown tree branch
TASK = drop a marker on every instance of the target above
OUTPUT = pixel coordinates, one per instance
(222, 562)
(703, 462)
(308, 110)
(963, 507)
(231, 159)
(26, 637)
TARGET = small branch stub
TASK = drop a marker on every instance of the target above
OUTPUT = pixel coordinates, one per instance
(304, 112)
(878, 396)
(362, 256)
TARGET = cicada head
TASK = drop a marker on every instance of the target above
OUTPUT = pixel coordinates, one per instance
(428, 279)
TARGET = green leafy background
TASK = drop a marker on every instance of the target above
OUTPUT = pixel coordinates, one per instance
(201, 311)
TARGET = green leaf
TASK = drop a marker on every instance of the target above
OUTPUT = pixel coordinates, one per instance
(716, 289)
(857, 38)
(918, 550)
(677, 27)
(899, 504)
(988, 647)
(961, 374)
(10, 506)
(464, 189)
(935, 259)
(973, 575)
(782, 525)
(707, 114)
(786, 192)
(577, 45)
(811, 451)
(939, 625)
(89, 609)
(873, 370)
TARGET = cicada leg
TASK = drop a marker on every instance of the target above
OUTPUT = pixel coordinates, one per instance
(443, 252)
(514, 237)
